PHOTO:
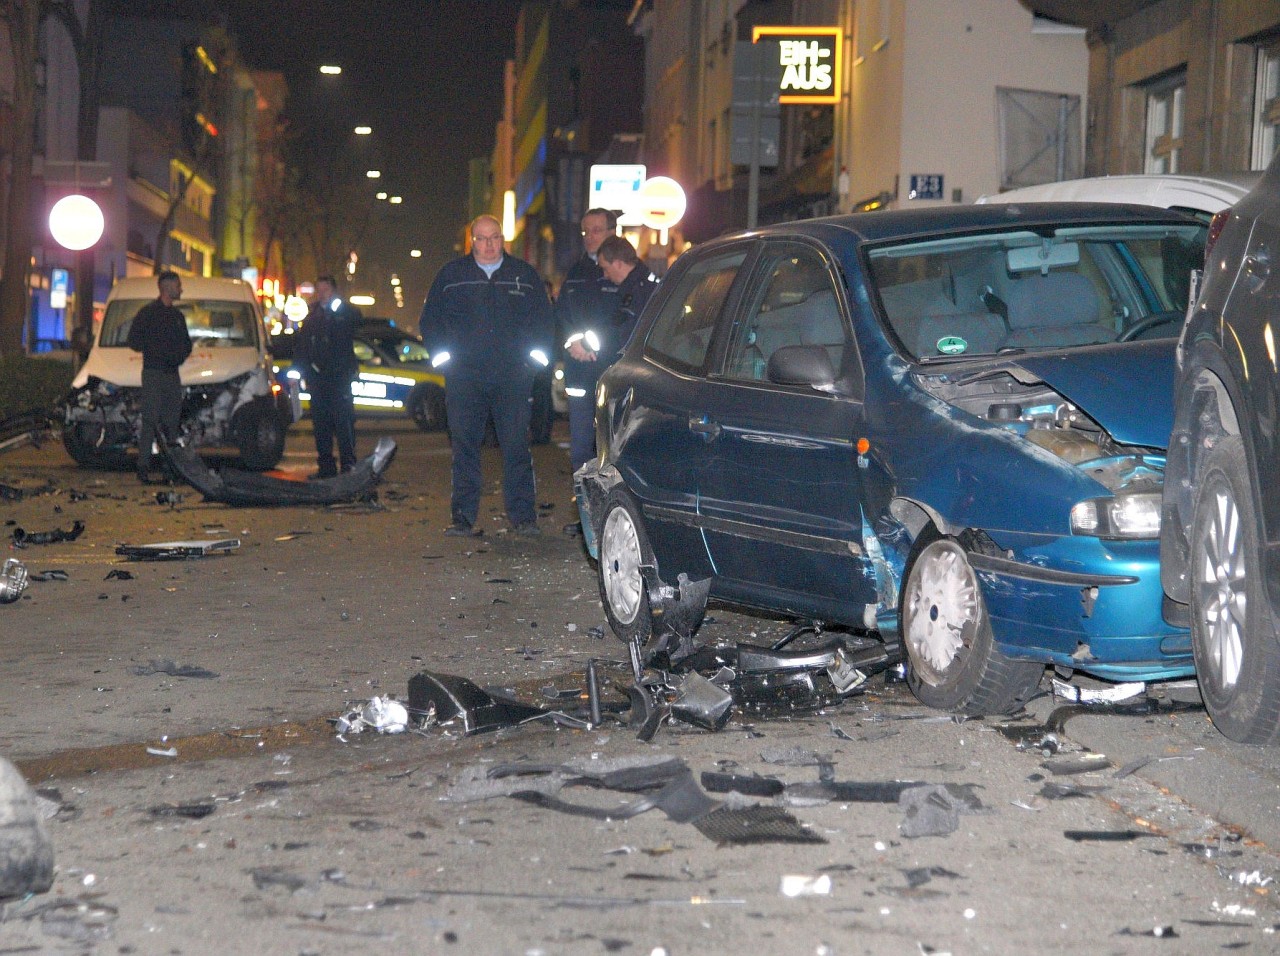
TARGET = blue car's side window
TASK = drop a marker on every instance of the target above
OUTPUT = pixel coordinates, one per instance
(796, 305)
(681, 335)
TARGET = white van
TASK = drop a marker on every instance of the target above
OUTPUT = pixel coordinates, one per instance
(229, 395)
(1198, 195)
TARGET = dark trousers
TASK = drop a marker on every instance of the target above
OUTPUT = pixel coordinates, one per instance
(333, 416)
(471, 403)
(161, 410)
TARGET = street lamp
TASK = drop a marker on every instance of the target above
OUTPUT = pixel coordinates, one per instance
(374, 174)
(330, 70)
(395, 200)
(76, 222)
(415, 253)
(363, 130)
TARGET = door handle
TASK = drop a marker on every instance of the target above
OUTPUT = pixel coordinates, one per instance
(703, 426)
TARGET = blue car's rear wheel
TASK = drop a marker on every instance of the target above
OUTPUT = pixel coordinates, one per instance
(1236, 646)
(954, 663)
(624, 552)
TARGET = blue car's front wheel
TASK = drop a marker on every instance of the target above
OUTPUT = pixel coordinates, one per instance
(954, 663)
(624, 553)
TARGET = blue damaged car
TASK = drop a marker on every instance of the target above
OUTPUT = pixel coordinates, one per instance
(943, 427)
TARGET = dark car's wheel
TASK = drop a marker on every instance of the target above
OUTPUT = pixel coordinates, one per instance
(624, 551)
(427, 406)
(1233, 636)
(954, 663)
(259, 436)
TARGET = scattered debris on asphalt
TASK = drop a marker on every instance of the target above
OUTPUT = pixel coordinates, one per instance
(119, 574)
(383, 714)
(176, 550)
(189, 811)
(23, 538)
(1110, 695)
(51, 575)
(166, 666)
(13, 581)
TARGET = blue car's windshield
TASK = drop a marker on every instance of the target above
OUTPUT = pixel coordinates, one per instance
(1018, 290)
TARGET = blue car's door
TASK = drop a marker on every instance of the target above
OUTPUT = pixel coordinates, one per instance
(780, 494)
(658, 440)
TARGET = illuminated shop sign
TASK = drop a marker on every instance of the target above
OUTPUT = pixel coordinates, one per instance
(808, 60)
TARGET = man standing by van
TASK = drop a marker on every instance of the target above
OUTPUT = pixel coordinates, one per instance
(159, 332)
(325, 351)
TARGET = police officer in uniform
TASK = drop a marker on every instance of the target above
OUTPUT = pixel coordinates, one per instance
(487, 324)
(635, 284)
(583, 307)
(325, 352)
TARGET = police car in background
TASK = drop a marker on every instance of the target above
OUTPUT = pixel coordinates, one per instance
(395, 375)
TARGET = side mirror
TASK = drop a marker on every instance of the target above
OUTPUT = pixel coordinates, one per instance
(802, 365)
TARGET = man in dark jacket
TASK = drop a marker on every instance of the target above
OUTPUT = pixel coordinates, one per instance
(159, 332)
(325, 354)
(585, 303)
(635, 284)
(487, 324)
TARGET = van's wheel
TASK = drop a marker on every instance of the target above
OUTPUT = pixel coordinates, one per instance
(624, 551)
(1233, 635)
(259, 436)
(84, 443)
(427, 406)
(954, 663)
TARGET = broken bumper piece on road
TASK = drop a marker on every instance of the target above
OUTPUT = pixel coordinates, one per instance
(234, 486)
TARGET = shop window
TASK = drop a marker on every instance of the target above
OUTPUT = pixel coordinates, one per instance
(1165, 110)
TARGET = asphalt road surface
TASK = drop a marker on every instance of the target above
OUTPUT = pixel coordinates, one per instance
(218, 812)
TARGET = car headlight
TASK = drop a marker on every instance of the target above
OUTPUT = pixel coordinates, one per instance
(1126, 515)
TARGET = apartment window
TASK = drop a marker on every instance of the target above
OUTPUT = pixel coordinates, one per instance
(1165, 109)
(1266, 106)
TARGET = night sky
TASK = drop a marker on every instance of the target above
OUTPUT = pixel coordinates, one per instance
(425, 74)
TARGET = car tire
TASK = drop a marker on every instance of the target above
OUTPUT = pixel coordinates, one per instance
(1233, 635)
(954, 663)
(427, 407)
(260, 436)
(624, 551)
(81, 440)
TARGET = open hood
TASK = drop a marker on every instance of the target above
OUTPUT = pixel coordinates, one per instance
(123, 366)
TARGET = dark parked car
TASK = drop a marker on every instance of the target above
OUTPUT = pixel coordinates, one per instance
(1220, 543)
(946, 427)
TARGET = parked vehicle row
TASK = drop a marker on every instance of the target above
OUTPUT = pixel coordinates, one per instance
(959, 429)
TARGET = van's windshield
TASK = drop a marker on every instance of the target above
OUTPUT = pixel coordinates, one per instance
(212, 323)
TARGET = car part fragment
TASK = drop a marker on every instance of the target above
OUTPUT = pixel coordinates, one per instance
(13, 581)
(176, 550)
(23, 538)
(240, 488)
(456, 698)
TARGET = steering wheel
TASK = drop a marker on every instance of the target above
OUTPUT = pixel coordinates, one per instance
(1150, 322)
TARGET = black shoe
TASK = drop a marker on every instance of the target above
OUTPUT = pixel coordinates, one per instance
(460, 529)
(322, 476)
(147, 479)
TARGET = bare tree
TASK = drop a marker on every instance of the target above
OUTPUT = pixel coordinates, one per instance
(22, 19)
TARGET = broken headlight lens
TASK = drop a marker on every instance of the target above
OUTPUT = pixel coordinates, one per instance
(1131, 515)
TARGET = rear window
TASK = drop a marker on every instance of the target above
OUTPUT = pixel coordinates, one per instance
(212, 323)
(980, 294)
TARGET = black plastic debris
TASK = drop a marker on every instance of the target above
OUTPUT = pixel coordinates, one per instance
(265, 877)
(453, 698)
(189, 811)
(1156, 932)
(759, 824)
(176, 550)
(1067, 791)
(51, 575)
(170, 498)
(701, 703)
(850, 791)
(165, 666)
(23, 538)
(118, 574)
(245, 488)
(1106, 836)
(751, 786)
(1076, 764)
